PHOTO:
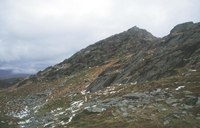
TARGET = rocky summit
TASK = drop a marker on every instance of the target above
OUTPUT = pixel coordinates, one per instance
(129, 80)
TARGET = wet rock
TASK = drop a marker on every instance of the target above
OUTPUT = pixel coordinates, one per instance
(171, 101)
(95, 109)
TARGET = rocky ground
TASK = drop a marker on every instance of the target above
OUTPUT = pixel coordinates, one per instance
(168, 102)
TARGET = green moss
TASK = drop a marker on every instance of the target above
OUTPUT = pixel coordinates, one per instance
(185, 122)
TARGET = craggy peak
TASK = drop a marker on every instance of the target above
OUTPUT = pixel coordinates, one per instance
(129, 80)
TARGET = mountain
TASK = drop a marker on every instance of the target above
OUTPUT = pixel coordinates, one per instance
(131, 79)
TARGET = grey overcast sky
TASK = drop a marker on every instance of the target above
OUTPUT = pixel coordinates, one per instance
(35, 34)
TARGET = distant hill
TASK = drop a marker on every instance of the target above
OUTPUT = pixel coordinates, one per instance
(5, 83)
(8, 78)
(5, 74)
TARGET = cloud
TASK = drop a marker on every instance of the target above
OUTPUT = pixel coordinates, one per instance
(37, 33)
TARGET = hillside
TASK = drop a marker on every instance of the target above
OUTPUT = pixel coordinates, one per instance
(131, 79)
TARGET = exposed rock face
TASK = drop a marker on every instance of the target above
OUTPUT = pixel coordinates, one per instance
(160, 57)
(140, 56)
(132, 41)
(102, 82)
(188, 26)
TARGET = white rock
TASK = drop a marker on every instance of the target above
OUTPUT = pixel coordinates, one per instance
(180, 87)
(47, 124)
(192, 70)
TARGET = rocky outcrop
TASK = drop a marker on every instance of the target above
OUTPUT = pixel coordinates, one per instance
(160, 58)
(102, 82)
(120, 45)
(139, 56)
